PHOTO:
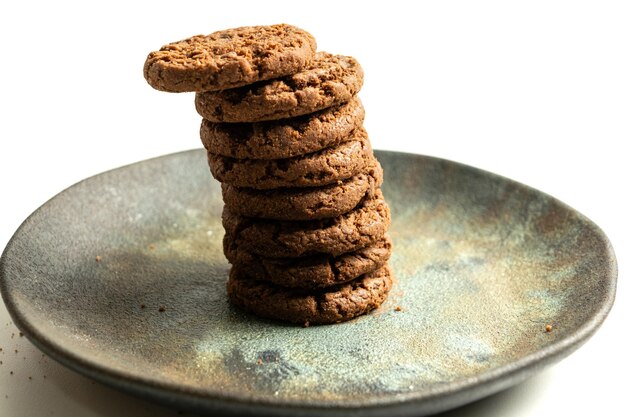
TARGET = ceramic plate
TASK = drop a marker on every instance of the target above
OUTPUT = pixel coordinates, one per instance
(122, 277)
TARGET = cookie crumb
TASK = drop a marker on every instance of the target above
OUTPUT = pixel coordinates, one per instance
(161, 309)
(259, 361)
(306, 324)
(151, 246)
(98, 258)
(548, 328)
(398, 308)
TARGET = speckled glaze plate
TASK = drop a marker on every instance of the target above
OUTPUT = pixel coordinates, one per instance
(482, 265)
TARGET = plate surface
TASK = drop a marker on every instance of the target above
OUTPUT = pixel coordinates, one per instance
(482, 265)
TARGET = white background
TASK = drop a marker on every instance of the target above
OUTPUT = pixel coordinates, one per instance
(533, 90)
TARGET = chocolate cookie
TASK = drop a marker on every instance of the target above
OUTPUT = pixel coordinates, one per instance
(313, 271)
(230, 58)
(331, 305)
(312, 170)
(303, 203)
(283, 138)
(354, 230)
(330, 80)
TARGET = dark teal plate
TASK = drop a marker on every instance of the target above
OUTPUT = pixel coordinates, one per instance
(482, 265)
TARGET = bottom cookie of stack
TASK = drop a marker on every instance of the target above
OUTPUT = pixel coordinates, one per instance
(323, 306)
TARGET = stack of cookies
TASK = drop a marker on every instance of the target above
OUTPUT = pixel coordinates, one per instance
(304, 216)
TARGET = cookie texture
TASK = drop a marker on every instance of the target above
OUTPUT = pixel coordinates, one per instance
(230, 58)
(354, 230)
(332, 305)
(312, 170)
(283, 138)
(330, 80)
(303, 203)
(314, 271)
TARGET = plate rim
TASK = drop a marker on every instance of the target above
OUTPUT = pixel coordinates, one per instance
(445, 396)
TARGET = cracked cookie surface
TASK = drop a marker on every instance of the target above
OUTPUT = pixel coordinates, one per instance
(314, 271)
(306, 203)
(327, 166)
(230, 58)
(330, 80)
(351, 231)
(331, 305)
(284, 138)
